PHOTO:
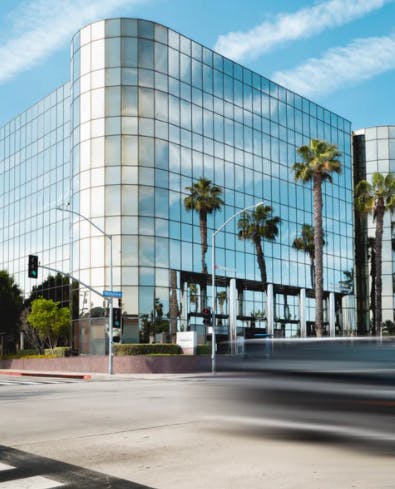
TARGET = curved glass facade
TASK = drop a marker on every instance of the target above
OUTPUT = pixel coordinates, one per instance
(153, 111)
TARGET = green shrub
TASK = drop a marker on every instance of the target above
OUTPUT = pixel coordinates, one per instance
(25, 353)
(20, 354)
(203, 350)
(58, 352)
(146, 349)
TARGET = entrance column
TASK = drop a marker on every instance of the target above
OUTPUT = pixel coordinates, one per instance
(185, 305)
(332, 314)
(270, 308)
(232, 315)
(302, 313)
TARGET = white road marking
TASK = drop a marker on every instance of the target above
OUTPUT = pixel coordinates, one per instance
(36, 482)
(5, 466)
(37, 382)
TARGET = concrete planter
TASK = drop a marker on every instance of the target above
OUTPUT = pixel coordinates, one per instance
(121, 365)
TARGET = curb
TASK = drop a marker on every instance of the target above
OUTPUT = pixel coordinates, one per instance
(44, 374)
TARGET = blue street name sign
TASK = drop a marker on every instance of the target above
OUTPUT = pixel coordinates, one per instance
(112, 293)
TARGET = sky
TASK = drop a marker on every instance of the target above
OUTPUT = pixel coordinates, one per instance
(338, 53)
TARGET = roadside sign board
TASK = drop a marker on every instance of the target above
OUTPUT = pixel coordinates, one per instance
(112, 293)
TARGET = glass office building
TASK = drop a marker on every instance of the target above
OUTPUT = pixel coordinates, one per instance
(374, 151)
(35, 169)
(146, 114)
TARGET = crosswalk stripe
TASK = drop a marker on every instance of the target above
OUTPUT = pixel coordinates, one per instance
(37, 382)
(36, 482)
(31, 471)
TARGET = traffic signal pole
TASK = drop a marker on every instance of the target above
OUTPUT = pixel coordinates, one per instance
(213, 303)
(214, 299)
(110, 328)
(73, 278)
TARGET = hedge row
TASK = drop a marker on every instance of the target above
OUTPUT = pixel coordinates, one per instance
(58, 352)
(146, 349)
(119, 350)
(203, 350)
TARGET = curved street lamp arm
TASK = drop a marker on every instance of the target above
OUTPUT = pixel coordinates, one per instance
(64, 209)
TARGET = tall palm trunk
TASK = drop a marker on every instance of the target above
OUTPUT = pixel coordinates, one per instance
(379, 254)
(261, 261)
(173, 306)
(318, 240)
(203, 236)
(312, 271)
(372, 305)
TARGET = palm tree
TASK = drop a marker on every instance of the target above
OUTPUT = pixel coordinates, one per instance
(376, 198)
(347, 284)
(204, 198)
(305, 243)
(319, 161)
(222, 297)
(257, 225)
(193, 295)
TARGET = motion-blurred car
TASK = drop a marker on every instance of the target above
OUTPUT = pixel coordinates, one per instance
(342, 386)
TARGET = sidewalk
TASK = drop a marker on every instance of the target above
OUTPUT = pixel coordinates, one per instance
(31, 373)
(102, 376)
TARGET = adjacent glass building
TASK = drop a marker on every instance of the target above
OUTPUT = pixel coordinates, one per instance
(146, 114)
(374, 151)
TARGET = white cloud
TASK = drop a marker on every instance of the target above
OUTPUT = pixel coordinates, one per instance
(302, 24)
(40, 27)
(360, 60)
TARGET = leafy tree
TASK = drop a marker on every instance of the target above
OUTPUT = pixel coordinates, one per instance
(305, 243)
(31, 338)
(55, 287)
(377, 198)
(256, 225)
(58, 288)
(50, 321)
(320, 160)
(204, 198)
(11, 305)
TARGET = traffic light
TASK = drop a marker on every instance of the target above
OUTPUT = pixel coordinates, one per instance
(206, 316)
(33, 266)
(116, 317)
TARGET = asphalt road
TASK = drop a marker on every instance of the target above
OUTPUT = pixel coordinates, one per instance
(172, 431)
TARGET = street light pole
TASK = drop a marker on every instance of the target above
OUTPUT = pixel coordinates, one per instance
(110, 316)
(214, 301)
